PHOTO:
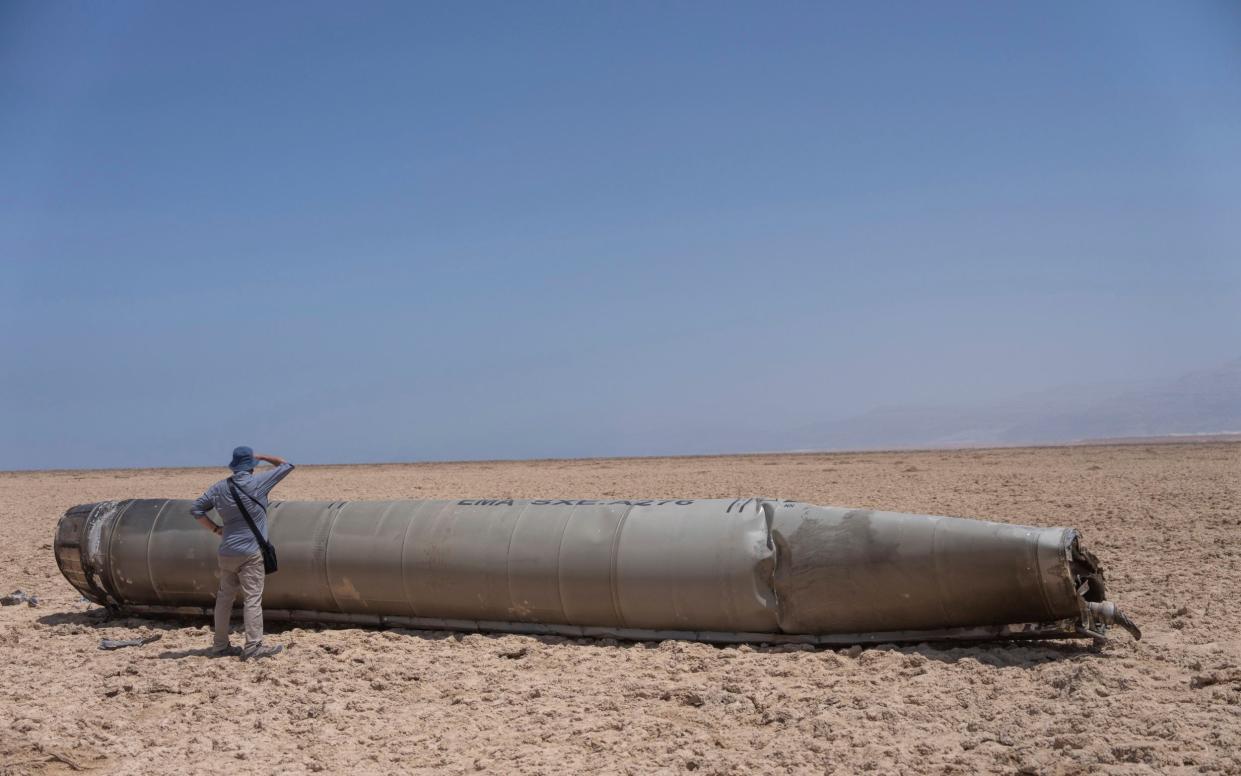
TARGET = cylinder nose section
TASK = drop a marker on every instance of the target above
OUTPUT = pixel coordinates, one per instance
(863, 571)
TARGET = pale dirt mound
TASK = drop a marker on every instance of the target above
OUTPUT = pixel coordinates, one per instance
(1165, 519)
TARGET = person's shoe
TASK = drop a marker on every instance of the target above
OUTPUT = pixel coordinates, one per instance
(256, 651)
(230, 651)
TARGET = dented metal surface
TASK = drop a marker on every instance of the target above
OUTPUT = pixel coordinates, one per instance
(706, 569)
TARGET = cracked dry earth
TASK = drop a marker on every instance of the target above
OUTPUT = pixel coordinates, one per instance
(1165, 519)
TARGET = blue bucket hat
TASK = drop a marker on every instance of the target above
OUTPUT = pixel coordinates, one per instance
(243, 459)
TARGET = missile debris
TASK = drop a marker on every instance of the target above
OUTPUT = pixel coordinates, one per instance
(122, 643)
(759, 570)
(19, 597)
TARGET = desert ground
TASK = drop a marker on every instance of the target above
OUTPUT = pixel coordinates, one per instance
(1165, 519)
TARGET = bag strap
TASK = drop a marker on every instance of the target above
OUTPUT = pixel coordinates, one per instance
(245, 512)
(233, 483)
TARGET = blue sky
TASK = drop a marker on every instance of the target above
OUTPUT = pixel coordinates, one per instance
(368, 232)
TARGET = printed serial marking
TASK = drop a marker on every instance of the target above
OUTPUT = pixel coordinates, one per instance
(584, 502)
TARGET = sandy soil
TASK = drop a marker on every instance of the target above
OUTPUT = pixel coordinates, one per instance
(1165, 519)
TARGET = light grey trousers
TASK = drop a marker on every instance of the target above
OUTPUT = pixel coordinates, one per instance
(244, 573)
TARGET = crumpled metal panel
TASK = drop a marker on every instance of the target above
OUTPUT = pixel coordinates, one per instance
(858, 570)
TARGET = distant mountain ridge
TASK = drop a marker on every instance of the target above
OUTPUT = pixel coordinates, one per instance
(1203, 402)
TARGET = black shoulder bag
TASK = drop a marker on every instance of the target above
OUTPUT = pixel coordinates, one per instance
(269, 552)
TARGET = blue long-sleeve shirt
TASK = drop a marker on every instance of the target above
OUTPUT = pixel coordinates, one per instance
(237, 538)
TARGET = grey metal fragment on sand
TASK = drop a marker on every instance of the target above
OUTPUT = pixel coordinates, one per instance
(120, 643)
(19, 597)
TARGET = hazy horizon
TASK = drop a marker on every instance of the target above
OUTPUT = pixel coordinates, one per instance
(493, 231)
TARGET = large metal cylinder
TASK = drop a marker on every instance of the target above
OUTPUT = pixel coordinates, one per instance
(720, 570)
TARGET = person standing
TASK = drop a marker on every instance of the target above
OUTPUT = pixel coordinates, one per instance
(240, 558)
